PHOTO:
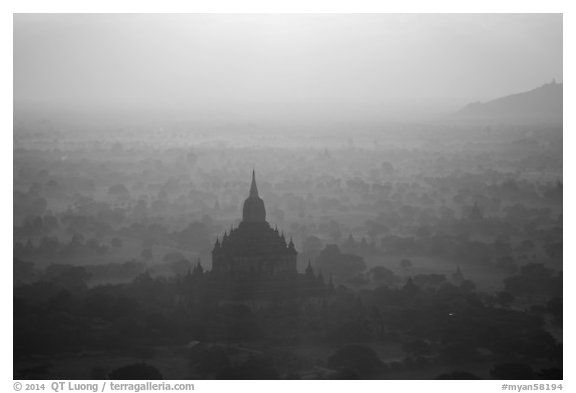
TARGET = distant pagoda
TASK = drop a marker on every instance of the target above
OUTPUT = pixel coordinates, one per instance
(254, 263)
(254, 253)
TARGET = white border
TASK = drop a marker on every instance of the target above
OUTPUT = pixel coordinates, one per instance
(295, 6)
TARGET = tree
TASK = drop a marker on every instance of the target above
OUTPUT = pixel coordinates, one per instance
(173, 257)
(210, 361)
(429, 280)
(512, 371)
(387, 168)
(116, 242)
(361, 360)
(458, 375)
(180, 267)
(136, 371)
(119, 191)
(195, 236)
(504, 298)
(406, 265)
(73, 278)
(312, 246)
(417, 348)
(550, 374)
(459, 350)
(383, 275)
(468, 286)
(147, 254)
(256, 367)
(534, 279)
(333, 262)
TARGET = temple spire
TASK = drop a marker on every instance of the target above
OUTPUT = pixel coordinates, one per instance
(253, 188)
(253, 210)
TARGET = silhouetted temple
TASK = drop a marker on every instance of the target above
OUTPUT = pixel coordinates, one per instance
(254, 262)
(254, 250)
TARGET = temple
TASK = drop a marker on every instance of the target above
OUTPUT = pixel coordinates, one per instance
(253, 264)
(254, 251)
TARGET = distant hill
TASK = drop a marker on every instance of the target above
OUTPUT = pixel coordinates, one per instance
(541, 104)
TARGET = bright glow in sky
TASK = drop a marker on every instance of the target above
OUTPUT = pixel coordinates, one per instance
(210, 62)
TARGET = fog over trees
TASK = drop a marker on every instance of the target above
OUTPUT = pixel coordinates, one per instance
(428, 232)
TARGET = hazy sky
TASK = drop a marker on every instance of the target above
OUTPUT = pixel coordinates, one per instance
(213, 62)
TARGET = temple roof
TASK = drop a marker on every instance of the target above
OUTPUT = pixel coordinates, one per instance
(254, 236)
(253, 210)
(254, 239)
